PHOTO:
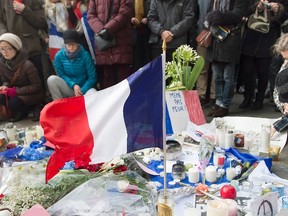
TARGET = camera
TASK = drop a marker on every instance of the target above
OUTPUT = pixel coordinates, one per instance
(267, 5)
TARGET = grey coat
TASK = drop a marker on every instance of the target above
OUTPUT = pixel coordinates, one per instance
(175, 16)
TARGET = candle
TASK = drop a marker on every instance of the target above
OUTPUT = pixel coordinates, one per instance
(39, 131)
(265, 138)
(29, 137)
(232, 207)
(165, 204)
(273, 152)
(192, 212)
(229, 139)
(220, 137)
(217, 208)
(11, 133)
(230, 173)
(211, 173)
(193, 175)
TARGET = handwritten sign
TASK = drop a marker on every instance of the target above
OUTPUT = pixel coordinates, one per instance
(265, 205)
(177, 111)
(183, 106)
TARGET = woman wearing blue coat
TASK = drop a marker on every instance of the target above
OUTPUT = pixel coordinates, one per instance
(75, 69)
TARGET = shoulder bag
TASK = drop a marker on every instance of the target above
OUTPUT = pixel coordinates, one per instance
(101, 43)
(258, 22)
(204, 38)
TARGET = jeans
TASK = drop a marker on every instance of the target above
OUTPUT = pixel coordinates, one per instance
(224, 74)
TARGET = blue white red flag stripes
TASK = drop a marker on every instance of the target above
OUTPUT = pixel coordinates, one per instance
(97, 127)
(56, 41)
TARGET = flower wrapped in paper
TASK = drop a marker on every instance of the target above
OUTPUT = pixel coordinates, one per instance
(126, 193)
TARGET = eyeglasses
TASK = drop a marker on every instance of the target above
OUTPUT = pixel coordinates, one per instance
(4, 49)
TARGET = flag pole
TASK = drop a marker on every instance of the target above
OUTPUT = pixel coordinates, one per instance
(165, 202)
(164, 47)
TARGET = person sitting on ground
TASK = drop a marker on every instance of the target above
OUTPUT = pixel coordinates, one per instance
(74, 67)
(21, 81)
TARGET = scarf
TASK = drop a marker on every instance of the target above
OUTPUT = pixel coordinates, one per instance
(72, 55)
(221, 5)
(139, 9)
(58, 15)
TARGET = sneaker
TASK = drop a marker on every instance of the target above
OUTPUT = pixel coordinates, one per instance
(221, 112)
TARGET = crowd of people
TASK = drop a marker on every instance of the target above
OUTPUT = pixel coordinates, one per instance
(48, 52)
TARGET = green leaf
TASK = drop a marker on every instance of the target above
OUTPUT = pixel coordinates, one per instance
(186, 74)
(199, 64)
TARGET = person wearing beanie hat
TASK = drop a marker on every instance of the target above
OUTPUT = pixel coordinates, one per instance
(71, 36)
(21, 90)
(76, 72)
(12, 39)
(26, 19)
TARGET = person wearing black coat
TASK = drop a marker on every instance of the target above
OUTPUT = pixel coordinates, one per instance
(225, 54)
(256, 54)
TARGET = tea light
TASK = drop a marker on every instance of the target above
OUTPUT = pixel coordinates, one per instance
(217, 208)
(230, 173)
(193, 175)
(192, 211)
(211, 173)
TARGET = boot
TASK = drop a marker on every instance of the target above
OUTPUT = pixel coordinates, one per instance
(214, 109)
(247, 101)
(18, 117)
(258, 104)
(221, 112)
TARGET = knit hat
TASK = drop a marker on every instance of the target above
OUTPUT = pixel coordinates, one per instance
(281, 83)
(12, 39)
(71, 35)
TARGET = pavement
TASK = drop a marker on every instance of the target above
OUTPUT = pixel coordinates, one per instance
(279, 168)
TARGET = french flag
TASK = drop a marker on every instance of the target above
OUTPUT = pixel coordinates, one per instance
(97, 127)
(56, 41)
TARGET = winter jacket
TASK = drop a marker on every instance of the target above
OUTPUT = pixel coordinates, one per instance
(228, 50)
(27, 83)
(259, 44)
(80, 70)
(25, 25)
(175, 16)
(119, 26)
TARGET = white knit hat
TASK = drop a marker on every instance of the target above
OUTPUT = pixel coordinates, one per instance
(13, 39)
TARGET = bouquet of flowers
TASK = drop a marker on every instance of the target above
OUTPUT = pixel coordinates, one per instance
(182, 72)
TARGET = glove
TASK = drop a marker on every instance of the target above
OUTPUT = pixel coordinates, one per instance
(105, 34)
(11, 92)
(214, 18)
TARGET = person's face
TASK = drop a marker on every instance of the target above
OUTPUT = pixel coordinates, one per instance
(71, 46)
(7, 51)
(285, 54)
